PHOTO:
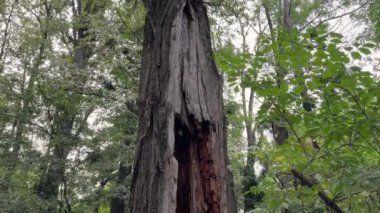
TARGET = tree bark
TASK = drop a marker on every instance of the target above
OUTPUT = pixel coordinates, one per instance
(182, 153)
(287, 6)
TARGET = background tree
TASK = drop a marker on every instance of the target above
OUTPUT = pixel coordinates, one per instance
(298, 49)
(68, 85)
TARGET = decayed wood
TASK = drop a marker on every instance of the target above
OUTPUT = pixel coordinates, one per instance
(181, 158)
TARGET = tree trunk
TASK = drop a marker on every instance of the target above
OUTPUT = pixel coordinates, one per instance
(182, 155)
(251, 199)
(62, 139)
(48, 186)
(6, 32)
(118, 199)
(23, 116)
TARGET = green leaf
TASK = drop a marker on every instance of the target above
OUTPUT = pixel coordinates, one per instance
(348, 48)
(236, 89)
(365, 50)
(284, 88)
(268, 90)
(356, 68)
(313, 84)
(299, 89)
(369, 45)
(328, 74)
(336, 35)
(348, 82)
(356, 55)
(336, 40)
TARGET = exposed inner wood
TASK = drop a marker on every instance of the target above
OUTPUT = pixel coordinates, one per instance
(196, 175)
(209, 179)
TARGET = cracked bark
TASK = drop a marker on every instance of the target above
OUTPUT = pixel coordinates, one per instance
(181, 158)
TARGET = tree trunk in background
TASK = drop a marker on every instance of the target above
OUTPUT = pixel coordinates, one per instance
(251, 199)
(118, 199)
(281, 132)
(182, 153)
(53, 176)
(62, 138)
(62, 141)
(28, 94)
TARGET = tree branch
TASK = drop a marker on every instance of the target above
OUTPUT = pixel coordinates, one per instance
(309, 183)
(335, 17)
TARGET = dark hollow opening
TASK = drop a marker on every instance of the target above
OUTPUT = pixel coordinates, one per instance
(182, 154)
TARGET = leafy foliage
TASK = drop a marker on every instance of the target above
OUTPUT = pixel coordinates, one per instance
(68, 116)
(311, 82)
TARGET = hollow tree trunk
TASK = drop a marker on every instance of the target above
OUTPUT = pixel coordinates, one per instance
(181, 158)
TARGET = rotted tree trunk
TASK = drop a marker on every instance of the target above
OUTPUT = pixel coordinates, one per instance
(180, 163)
